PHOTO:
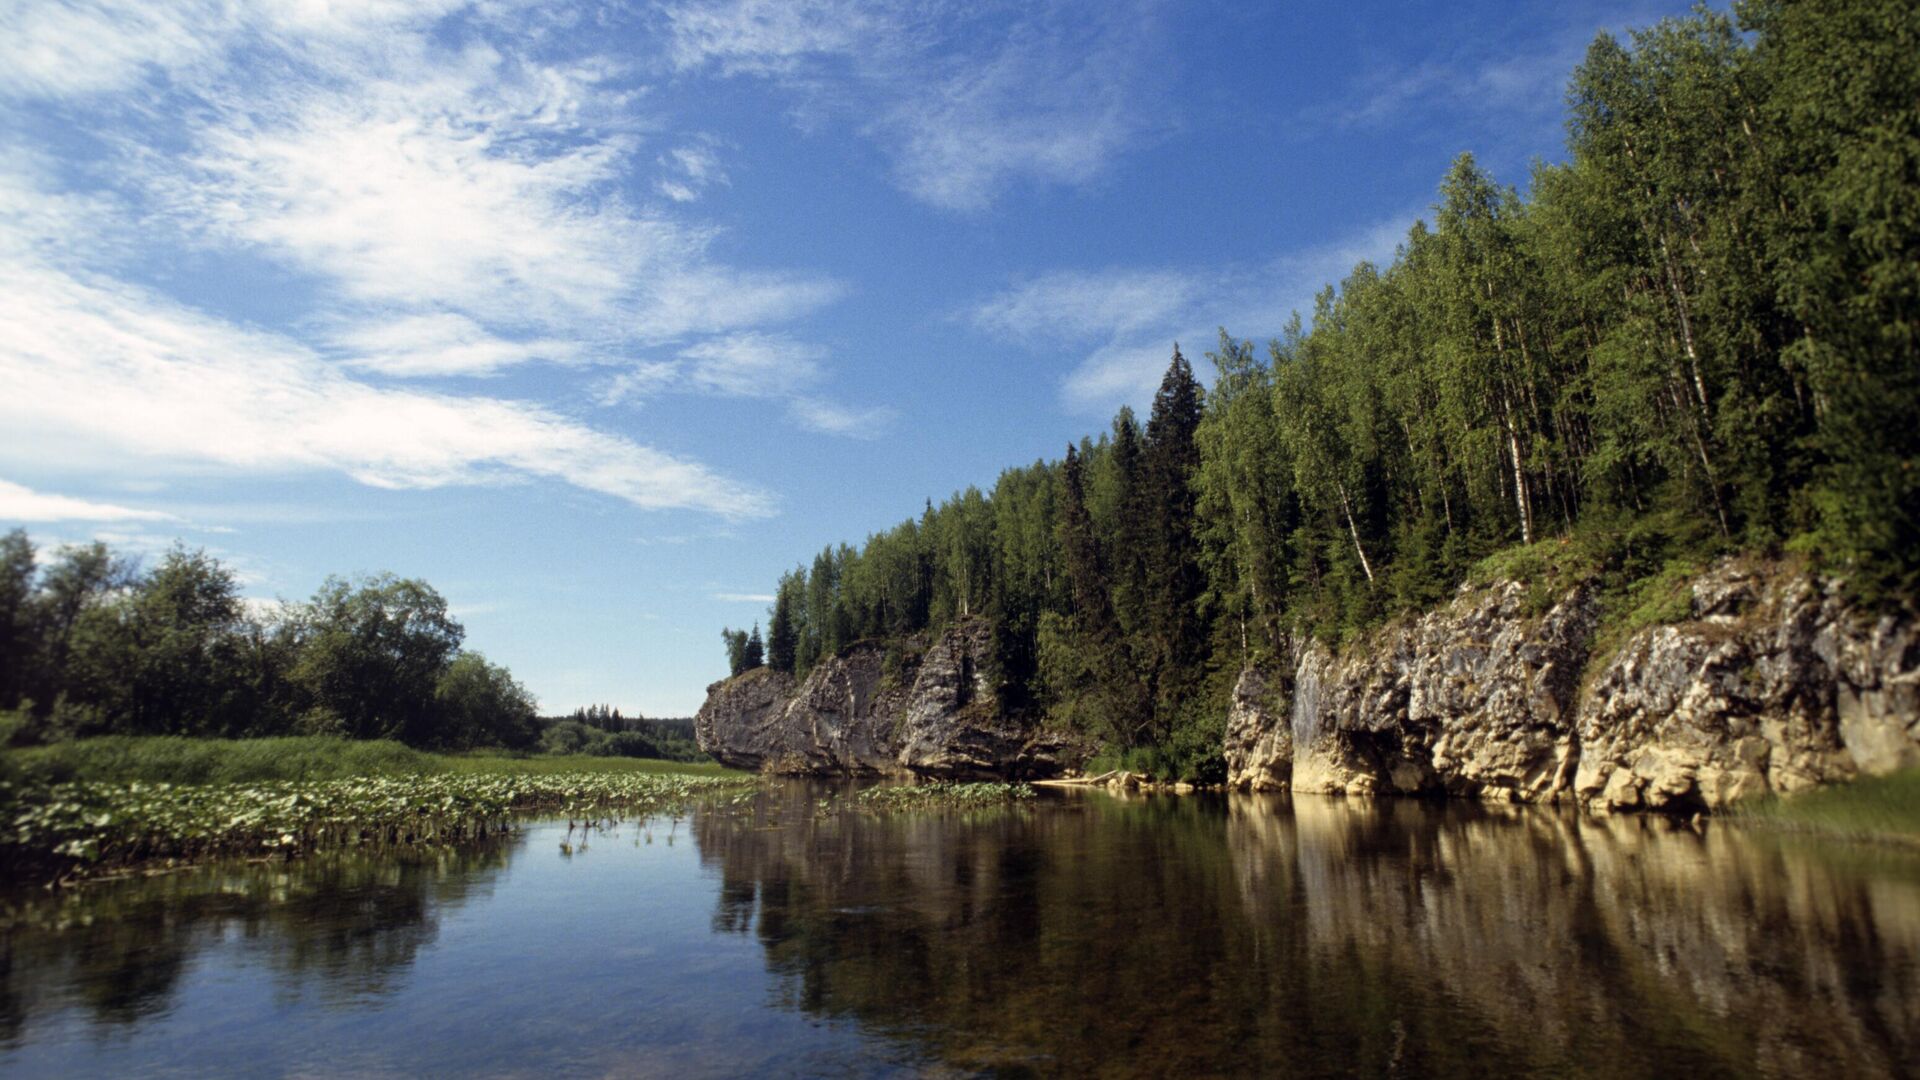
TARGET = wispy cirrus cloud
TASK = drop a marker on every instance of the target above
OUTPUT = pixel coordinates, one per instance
(690, 169)
(1127, 320)
(752, 365)
(1506, 84)
(452, 199)
(20, 503)
(1052, 96)
(107, 376)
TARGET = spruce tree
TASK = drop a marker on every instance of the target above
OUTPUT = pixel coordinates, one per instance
(780, 635)
(756, 652)
(1171, 635)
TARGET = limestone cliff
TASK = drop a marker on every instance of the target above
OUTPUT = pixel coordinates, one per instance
(935, 715)
(1771, 683)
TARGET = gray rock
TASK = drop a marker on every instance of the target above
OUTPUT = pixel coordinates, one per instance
(937, 717)
(839, 722)
(1771, 684)
(1259, 739)
(1472, 699)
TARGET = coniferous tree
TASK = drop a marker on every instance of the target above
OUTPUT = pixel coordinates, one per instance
(755, 654)
(1695, 336)
(781, 639)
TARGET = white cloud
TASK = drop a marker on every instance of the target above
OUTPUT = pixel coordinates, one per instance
(1072, 304)
(766, 36)
(1129, 320)
(968, 99)
(441, 344)
(482, 187)
(449, 203)
(752, 365)
(694, 167)
(76, 48)
(744, 598)
(830, 418)
(641, 381)
(104, 375)
(18, 503)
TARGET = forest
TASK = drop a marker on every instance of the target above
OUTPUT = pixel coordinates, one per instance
(92, 643)
(1699, 334)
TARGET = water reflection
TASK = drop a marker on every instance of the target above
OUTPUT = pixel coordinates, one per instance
(342, 928)
(1081, 935)
(1327, 937)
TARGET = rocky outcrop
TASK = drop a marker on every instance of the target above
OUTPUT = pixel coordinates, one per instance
(936, 715)
(839, 722)
(1771, 683)
(1472, 699)
(1259, 740)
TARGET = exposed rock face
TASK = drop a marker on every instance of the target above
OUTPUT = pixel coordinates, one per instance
(1472, 699)
(839, 722)
(1771, 684)
(937, 717)
(1259, 741)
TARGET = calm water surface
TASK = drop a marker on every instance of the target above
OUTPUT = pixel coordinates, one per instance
(1083, 935)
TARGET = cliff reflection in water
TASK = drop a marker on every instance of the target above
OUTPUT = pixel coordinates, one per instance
(344, 928)
(1322, 936)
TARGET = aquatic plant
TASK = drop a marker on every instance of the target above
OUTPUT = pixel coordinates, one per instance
(58, 830)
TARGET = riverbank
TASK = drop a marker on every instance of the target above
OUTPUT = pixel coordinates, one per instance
(111, 805)
(172, 759)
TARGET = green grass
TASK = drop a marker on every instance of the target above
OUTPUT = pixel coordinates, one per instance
(1875, 807)
(173, 759)
(550, 765)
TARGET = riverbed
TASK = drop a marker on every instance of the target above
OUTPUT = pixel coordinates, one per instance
(1076, 933)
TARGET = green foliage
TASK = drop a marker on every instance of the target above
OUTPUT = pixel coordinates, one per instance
(755, 652)
(92, 645)
(940, 795)
(736, 643)
(89, 826)
(1698, 335)
(173, 759)
(782, 638)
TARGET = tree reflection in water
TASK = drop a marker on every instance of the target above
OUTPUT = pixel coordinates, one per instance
(1318, 936)
(346, 926)
(1077, 934)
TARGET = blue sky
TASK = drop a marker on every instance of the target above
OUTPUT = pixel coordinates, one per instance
(599, 316)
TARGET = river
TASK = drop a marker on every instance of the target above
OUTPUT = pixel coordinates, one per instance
(1081, 934)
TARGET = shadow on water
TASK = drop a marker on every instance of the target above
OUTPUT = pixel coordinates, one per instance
(1078, 934)
(1327, 937)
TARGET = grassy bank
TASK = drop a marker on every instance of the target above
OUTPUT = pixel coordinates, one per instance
(167, 759)
(1875, 807)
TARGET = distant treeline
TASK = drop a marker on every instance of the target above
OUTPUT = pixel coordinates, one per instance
(601, 730)
(1700, 334)
(91, 644)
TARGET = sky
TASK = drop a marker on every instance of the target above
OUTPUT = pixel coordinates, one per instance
(599, 316)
